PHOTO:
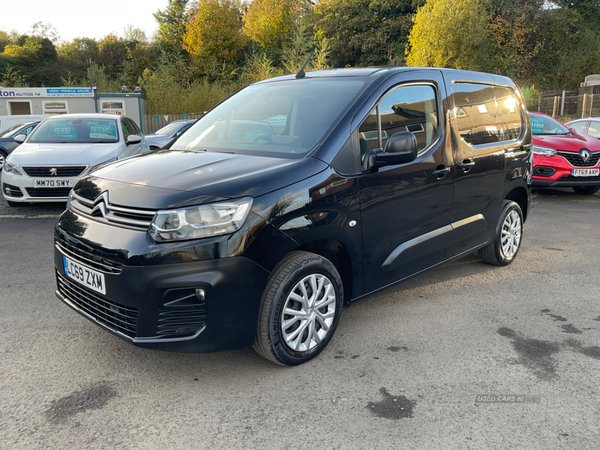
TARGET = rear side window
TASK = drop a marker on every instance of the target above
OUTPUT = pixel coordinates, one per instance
(487, 114)
(406, 108)
(476, 113)
(510, 119)
(594, 129)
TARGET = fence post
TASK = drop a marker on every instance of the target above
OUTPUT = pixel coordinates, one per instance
(555, 106)
(562, 104)
(583, 106)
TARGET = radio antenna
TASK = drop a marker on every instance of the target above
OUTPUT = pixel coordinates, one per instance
(301, 72)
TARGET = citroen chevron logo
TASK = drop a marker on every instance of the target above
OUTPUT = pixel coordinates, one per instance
(54, 171)
(101, 204)
(585, 155)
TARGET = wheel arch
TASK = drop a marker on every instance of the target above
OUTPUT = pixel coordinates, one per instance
(336, 252)
(519, 195)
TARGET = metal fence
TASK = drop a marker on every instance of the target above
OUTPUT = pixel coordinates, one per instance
(570, 105)
(153, 123)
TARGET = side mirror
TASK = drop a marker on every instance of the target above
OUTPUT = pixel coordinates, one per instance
(572, 130)
(20, 138)
(401, 148)
(133, 139)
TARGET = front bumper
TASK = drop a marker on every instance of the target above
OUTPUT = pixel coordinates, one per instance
(153, 306)
(22, 188)
(562, 175)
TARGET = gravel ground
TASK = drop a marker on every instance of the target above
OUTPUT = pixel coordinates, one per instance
(418, 366)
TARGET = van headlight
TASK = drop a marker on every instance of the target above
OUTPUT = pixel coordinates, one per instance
(11, 168)
(201, 221)
(543, 151)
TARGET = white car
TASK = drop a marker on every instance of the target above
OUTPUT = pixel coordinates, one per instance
(64, 148)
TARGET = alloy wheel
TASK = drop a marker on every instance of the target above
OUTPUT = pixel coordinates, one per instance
(511, 234)
(308, 313)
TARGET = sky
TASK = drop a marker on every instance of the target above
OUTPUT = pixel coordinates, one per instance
(81, 18)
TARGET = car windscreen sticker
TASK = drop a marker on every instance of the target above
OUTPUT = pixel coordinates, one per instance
(537, 125)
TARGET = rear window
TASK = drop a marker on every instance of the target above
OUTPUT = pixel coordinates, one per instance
(91, 131)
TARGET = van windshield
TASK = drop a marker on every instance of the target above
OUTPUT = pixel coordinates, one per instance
(283, 119)
(75, 131)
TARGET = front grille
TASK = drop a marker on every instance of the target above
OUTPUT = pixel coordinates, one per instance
(115, 316)
(181, 323)
(48, 192)
(12, 191)
(54, 171)
(89, 259)
(101, 209)
(575, 159)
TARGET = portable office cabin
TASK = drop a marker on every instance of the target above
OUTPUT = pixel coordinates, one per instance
(51, 101)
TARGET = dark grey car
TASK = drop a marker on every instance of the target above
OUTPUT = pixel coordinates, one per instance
(167, 133)
(7, 142)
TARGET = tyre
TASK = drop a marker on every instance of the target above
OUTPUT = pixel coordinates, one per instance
(2, 158)
(300, 309)
(507, 237)
(588, 190)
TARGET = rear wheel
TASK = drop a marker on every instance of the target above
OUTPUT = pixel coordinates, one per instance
(300, 309)
(588, 190)
(507, 237)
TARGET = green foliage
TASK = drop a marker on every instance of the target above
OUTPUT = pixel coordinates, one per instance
(213, 36)
(450, 33)
(171, 26)
(272, 23)
(364, 32)
(532, 97)
(168, 96)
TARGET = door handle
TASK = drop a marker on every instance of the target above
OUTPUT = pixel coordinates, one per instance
(466, 165)
(440, 172)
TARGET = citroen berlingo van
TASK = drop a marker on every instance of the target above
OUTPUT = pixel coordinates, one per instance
(295, 197)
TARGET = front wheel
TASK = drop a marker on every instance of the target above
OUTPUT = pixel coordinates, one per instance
(300, 309)
(507, 237)
(588, 190)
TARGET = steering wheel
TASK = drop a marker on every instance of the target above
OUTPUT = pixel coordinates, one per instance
(263, 137)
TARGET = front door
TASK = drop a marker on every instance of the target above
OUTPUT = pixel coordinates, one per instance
(405, 209)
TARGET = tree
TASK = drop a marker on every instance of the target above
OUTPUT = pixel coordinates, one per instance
(364, 32)
(171, 25)
(213, 35)
(272, 23)
(450, 33)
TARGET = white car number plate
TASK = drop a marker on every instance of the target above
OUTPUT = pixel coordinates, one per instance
(585, 172)
(84, 275)
(53, 183)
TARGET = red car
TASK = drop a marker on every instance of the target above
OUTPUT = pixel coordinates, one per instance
(562, 158)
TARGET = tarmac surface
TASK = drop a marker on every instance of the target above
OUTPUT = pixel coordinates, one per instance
(467, 356)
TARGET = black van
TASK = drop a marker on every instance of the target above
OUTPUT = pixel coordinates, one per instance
(292, 198)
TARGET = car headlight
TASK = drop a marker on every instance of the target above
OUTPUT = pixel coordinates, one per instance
(11, 168)
(200, 221)
(543, 151)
